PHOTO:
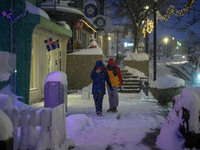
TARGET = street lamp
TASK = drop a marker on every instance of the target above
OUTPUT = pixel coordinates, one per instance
(166, 40)
(147, 35)
(154, 41)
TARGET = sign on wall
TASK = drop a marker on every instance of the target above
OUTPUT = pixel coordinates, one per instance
(51, 45)
(78, 25)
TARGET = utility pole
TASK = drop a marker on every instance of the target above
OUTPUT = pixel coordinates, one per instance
(154, 41)
(147, 42)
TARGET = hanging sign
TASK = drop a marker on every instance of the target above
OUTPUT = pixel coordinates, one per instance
(90, 10)
(100, 22)
(78, 25)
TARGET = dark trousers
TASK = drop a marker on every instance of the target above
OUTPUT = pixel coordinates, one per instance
(98, 100)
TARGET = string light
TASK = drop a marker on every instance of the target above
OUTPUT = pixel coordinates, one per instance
(172, 10)
(148, 27)
(89, 26)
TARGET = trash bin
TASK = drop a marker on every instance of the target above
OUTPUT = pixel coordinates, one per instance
(144, 85)
(53, 94)
(55, 89)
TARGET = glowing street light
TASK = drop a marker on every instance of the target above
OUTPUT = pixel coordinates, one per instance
(165, 40)
(146, 7)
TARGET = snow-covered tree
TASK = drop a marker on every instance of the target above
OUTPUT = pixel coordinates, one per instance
(134, 13)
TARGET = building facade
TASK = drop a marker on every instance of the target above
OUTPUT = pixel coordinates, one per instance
(25, 36)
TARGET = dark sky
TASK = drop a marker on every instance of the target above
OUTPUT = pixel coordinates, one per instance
(162, 29)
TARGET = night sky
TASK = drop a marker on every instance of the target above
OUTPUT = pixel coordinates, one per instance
(163, 27)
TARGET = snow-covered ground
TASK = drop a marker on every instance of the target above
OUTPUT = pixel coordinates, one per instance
(137, 115)
(125, 130)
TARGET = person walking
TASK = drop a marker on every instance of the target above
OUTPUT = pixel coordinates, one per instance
(114, 73)
(99, 75)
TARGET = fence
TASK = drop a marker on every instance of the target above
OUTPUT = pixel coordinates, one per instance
(38, 129)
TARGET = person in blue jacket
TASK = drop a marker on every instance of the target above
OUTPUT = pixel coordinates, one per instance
(99, 75)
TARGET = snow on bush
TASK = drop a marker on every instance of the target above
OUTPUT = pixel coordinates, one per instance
(189, 99)
(77, 123)
(8, 63)
(167, 81)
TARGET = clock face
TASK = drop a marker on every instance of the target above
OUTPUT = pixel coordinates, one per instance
(90, 10)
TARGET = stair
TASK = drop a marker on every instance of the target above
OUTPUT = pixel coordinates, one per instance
(131, 83)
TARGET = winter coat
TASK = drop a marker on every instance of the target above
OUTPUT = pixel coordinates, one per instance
(100, 78)
(114, 73)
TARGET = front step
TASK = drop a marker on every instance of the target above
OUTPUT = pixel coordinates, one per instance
(131, 87)
(129, 91)
(131, 83)
(129, 77)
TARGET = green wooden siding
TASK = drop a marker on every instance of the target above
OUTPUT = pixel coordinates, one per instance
(22, 43)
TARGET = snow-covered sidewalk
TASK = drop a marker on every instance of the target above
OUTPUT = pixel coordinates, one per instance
(137, 115)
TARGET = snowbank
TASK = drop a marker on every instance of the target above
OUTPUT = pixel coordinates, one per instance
(137, 57)
(20, 105)
(77, 123)
(35, 10)
(8, 63)
(167, 81)
(65, 25)
(135, 72)
(189, 99)
(57, 76)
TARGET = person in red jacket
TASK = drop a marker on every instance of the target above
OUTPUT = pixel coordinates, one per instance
(116, 81)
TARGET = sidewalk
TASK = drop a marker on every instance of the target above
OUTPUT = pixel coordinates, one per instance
(125, 130)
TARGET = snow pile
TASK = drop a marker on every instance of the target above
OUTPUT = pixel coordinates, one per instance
(8, 63)
(189, 99)
(65, 25)
(20, 105)
(135, 72)
(58, 76)
(90, 51)
(6, 127)
(136, 57)
(77, 123)
(35, 10)
(167, 81)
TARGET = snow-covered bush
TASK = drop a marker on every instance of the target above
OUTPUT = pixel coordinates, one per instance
(182, 127)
